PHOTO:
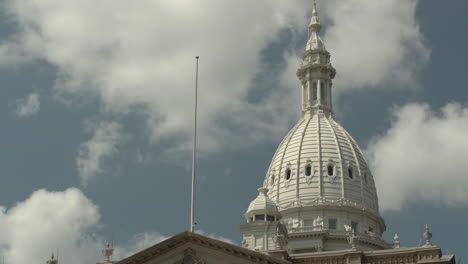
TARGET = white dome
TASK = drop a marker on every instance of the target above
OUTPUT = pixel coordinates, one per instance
(262, 205)
(318, 177)
(337, 168)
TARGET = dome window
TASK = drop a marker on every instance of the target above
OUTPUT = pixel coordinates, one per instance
(272, 179)
(287, 174)
(308, 170)
(314, 91)
(330, 170)
(365, 177)
(259, 217)
(350, 172)
(322, 91)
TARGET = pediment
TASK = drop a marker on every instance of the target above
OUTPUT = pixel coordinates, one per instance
(191, 248)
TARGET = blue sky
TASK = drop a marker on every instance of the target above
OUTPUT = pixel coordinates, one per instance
(97, 115)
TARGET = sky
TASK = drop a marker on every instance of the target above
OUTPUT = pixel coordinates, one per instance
(97, 100)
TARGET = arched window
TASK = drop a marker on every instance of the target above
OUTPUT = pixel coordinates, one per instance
(322, 90)
(350, 172)
(365, 177)
(330, 170)
(314, 91)
(272, 179)
(308, 170)
(287, 174)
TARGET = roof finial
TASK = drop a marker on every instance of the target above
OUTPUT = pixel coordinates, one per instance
(427, 236)
(396, 241)
(107, 252)
(52, 260)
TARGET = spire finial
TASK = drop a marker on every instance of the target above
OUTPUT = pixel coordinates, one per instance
(314, 25)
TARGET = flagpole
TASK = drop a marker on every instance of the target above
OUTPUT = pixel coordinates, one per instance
(192, 210)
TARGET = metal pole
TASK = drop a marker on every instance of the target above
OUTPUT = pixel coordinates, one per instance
(192, 216)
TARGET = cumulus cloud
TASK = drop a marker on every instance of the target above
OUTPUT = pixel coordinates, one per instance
(48, 221)
(102, 145)
(141, 54)
(28, 106)
(66, 221)
(422, 157)
(373, 42)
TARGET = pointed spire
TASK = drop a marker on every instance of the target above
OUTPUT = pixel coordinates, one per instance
(314, 25)
(316, 72)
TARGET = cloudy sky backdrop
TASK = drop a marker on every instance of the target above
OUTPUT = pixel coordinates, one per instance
(97, 100)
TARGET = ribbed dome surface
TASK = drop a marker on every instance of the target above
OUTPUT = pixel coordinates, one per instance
(262, 204)
(318, 141)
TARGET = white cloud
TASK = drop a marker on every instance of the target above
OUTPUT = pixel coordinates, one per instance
(28, 106)
(142, 54)
(422, 157)
(215, 236)
(138, 243)
(48, 221)
(375, 42)
(66, 221)
(103, 144)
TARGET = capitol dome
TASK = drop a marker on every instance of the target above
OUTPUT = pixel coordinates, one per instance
(318, 177)
(319, 159)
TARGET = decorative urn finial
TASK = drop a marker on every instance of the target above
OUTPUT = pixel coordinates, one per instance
(427, 236)
(108, 251)
(352, 237)
(396, 241)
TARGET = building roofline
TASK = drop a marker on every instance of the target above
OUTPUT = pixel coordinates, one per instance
(186, 237)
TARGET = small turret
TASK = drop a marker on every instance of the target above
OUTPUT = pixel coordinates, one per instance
(261, 231)
(262, 208)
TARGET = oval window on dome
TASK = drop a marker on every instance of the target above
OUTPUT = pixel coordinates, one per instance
(365, 177)
(287, 174)
(272, 179)
(308, 170)
(350, 172)
(330, 170)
